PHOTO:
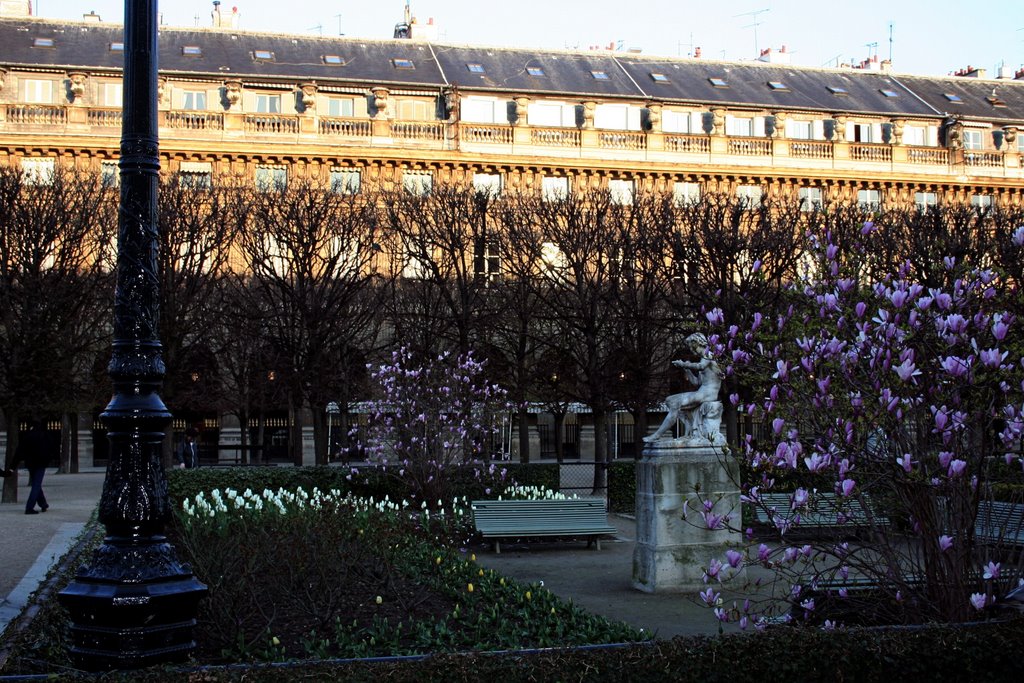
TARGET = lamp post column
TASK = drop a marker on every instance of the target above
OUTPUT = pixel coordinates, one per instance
(134, 603)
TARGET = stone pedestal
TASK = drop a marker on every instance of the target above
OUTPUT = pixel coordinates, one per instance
(672, 553)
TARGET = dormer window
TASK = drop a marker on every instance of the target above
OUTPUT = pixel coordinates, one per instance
(719, 82)
(952, 98)
(117, 47)
(778, 85)
(659, 78)
(889, 93)
(535, 71)
(400, 63)
(192, 51)
(333, 60)
(599, 75)
(263, 55)
(42, 42)
(995, 101)
(837, 90)
(475, 68)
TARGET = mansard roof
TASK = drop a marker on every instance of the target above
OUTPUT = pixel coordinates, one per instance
(416, 64)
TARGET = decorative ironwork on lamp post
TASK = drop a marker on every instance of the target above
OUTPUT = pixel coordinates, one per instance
(134, 603)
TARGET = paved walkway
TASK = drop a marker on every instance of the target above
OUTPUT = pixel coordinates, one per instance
(30, 544)
(598, 581)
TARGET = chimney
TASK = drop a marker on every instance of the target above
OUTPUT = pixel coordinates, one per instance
(1019, 75)
(971, 72)
(696, 53)
(217, 20)
(233, 20)
(1004, 72)
(91, 17)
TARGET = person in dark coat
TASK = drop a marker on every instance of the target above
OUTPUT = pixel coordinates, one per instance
(188, 452)
(34, 449)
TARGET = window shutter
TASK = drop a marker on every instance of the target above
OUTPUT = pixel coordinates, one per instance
(759, 127)
(818, 130)
(633, 118)
(696, 122)
(876, 132)
(730, 124)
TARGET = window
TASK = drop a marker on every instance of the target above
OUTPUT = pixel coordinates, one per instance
(415, 110)
(535, 71)
(686, 193)
(554, 188)
(955, 99)
(268, 104)
(38, 91)
(192, 51)
(263, 55)
(400, 63)
(111, 94)
(675, 121)
(659, 78)
(621, 191)
(617, 117)
(599, 75)
(799, 130)
(750, 196)
(271, 178)
(414, 267)
(889, 93)
(982, 201)
(869, 200)
(552, 257)
(838, 90)
(719, 82)
(553, 114)
(487, 260)
(38, 171)
(778, 85)
(193, 100)
(810, 198)
(484, 110)
(914, 136)
(973, 139)
(110, 174)
(925, 200)
(475, 68)
(863, 132)
(196, 174)
(340, 106)
(487, 183)
(418, 183)
(739, 127)
(116, 46)
(43, 42)
(345, 180)
(333, 60)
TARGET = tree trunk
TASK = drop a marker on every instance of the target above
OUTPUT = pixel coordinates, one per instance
(559, 442)
(243, 437)
(295, 431)
(67, 426)
(600, 451)
(524, 434)
(732, 429)
(320, 445)
(639, 431)
(261, 438)
(10, 492)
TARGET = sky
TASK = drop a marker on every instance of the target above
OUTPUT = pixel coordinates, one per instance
(928, 37)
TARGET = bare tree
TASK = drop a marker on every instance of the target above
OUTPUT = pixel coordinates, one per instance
(319, 268)
(55, 249)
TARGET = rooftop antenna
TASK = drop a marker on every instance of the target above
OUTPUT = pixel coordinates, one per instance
(754, 24)
(318, 27)
(872, 47)
(833, 59)
(680, 44)
(338, 17)
(890, 42)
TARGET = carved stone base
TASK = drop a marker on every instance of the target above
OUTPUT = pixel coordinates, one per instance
(671, 553)
(133, 606)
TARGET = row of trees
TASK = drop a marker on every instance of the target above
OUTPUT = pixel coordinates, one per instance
(281, 298)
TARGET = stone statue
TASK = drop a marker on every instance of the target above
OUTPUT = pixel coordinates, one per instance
(699, 411)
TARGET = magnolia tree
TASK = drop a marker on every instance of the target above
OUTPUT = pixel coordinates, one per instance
(892, 410)
(433, 422)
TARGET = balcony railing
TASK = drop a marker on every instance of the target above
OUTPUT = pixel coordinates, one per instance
(270, 124)
(37, 114)
(350, 128)
(750, 146)
(868, 152)
(688, 144)
(418, 130)
(984, 159)
(193, 120)
(105, 118)
(622, 140)
(932, 156)
(810, 149)
(495, 135)
(555, 137)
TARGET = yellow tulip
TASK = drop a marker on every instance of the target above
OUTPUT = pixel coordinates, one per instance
(529, 595)
(469, 588)
(379, 600)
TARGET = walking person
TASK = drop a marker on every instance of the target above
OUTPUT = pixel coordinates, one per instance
(34, 450)
(188, 453)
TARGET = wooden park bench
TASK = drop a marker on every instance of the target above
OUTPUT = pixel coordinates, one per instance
(1000, 522)
(496, 519)
(821, 513)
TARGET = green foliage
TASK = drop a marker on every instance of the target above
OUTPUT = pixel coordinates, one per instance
(622, 486)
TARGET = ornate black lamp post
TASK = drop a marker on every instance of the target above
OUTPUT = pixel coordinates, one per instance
(135, 603)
